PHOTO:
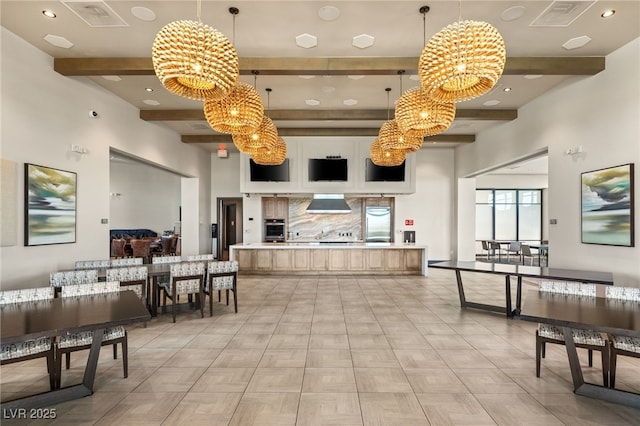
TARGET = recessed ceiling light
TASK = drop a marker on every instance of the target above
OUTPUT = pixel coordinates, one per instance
(148, 89)
(112, 77)
(312, 102)
(355, 77)
(143, 14)
(576, 42)
(151, 102)
(363, 41)
(307, 77)
(506, 89)
(58, 41)
(49, 13)
(608, 13)
(328, 13)
(328, 89)
(350, 102)
(414, 77)
(513, 13)
(306, 41)
(532, 76)
(491, 103)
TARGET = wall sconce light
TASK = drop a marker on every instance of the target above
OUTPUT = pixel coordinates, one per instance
(574, 150)
(79, 149)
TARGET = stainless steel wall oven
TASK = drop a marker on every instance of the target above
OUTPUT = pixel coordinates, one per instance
(274, 230)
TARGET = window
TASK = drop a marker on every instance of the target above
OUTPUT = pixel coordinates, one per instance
(509, 214)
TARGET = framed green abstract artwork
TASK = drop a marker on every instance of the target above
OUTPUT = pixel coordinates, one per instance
(607, 206)
(50, 206)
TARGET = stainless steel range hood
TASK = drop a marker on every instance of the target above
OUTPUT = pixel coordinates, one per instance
(328, 204)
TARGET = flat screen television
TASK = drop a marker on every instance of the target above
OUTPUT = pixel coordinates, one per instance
(260, 173)
(327, 169)
(376, 173)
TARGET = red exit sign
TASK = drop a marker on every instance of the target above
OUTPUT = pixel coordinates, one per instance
(408, 222)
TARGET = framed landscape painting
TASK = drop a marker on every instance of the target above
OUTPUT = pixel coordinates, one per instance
(607, 206)
(50, 206)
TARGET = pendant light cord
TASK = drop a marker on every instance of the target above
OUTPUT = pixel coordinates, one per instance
(388, 90)
(268, 89)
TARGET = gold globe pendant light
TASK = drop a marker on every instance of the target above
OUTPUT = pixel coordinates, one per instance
(239, 113)
(391, 138)
(462, 61)
(194, 60)
(385, 157)
(271, 157)
(265, 136)
(417, 114)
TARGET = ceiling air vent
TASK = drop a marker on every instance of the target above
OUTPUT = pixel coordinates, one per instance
(95, 13)
(561, 13)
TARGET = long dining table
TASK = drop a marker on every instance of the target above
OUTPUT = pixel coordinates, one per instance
(518, 271)
(604, 315)
(25, 321)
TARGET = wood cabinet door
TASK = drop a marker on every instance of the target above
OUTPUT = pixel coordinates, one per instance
(374, 259)
(282, 208)
(269, 208)
(318, 260)
(338, 260)
(282, 260)
(413, 260)
(394, 260)
(301, 260)
(245, 259)
(356, 259)
(263, 260)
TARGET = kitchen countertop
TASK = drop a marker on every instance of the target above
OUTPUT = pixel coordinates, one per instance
(326, 245)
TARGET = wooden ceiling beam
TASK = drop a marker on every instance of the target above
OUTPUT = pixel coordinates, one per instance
(327, 132)
(330, 66)
(336, 115)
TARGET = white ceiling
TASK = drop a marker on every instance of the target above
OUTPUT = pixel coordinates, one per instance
(267, 29)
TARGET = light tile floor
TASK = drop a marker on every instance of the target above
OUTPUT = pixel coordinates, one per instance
(328, 350)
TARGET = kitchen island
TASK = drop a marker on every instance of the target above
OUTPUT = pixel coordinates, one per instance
(337, 258)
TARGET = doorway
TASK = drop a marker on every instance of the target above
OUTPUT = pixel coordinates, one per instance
(229, 224)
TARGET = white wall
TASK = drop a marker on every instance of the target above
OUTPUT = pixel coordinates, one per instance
(512, 181)
(225, 180)
(431, 206)
(137, 202)
(601, 114)
(43, 113)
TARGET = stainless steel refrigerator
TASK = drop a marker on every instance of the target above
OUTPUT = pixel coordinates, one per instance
(377, 224)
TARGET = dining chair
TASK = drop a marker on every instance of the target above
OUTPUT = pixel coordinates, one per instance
(496, 248)
(485, 247)
(586, 339)
(118, 247)
(514, 248)
(141, 248)
(164, 280)
(42, 347)
(525, 251)
(622, 345)
(92, 264)
(132, 277)
(72, 342)
(218, 282)
(127, 261)
(184, 278)
(199, 257)
(64, 278)
(169, 246)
